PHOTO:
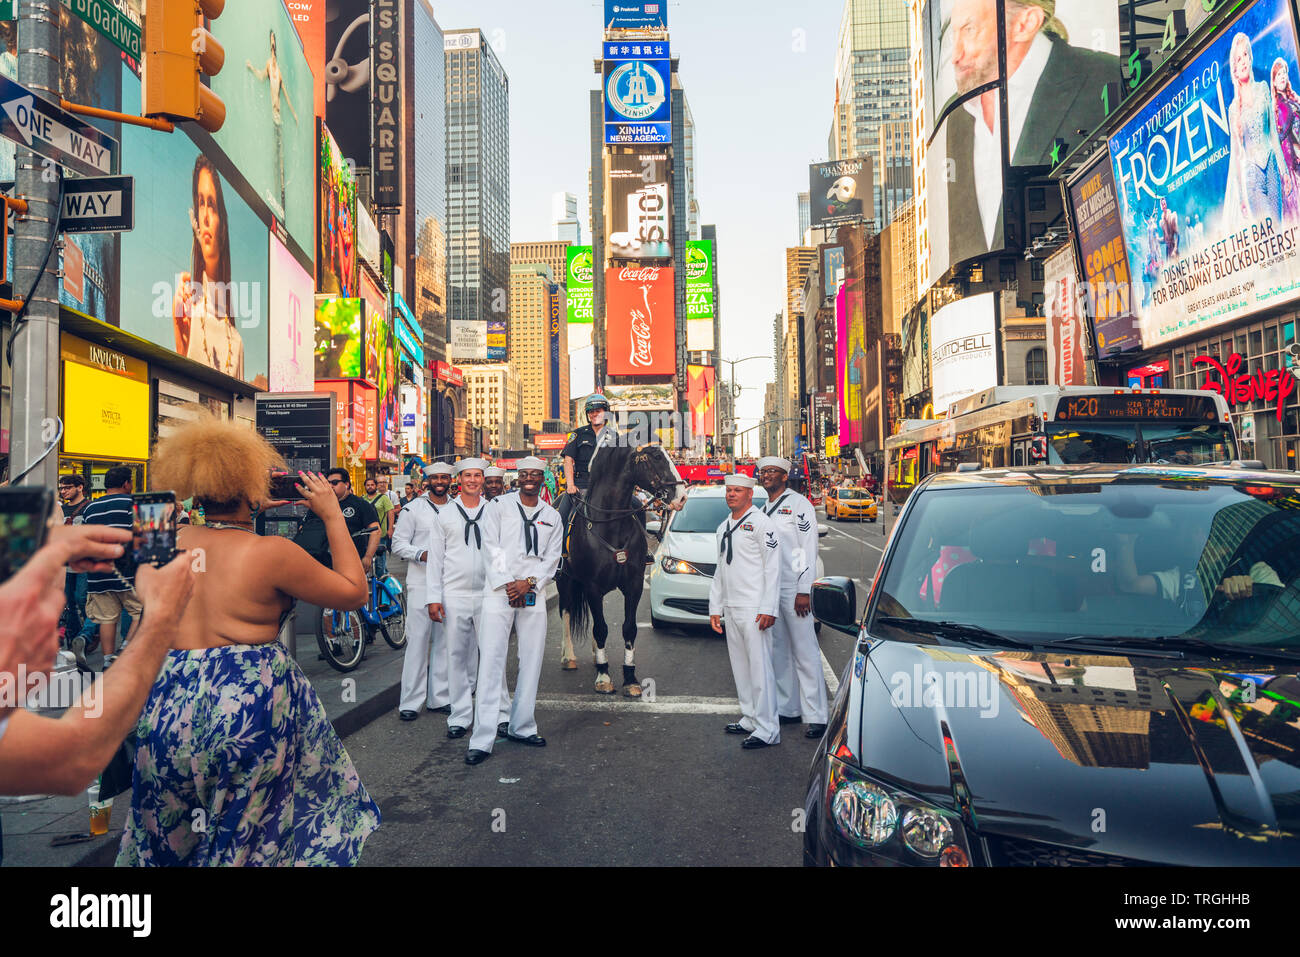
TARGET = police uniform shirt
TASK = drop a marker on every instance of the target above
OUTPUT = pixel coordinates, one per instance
(511, 556)
(457, 553)
(752, 576)
(581, 447)
(796, 527)
(414, 527)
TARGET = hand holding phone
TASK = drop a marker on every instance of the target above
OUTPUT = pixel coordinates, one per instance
(24, 524)
(153, 532)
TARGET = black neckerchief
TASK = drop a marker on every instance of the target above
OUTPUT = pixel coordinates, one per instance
(472, 523)
(726, 536)
(530, 529)
(772, 510)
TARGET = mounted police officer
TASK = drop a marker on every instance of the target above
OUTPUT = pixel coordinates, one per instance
(577, 453)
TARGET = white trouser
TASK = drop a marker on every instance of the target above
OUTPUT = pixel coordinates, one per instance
(493, 644)
(750, 651)
(424, 667)
(797, 662)
(462, 620)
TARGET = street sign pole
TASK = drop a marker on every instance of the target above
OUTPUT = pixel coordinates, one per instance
(36, 341)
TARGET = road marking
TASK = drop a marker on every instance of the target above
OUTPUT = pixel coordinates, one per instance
(662, 704)
(853, 538)
(832, 681)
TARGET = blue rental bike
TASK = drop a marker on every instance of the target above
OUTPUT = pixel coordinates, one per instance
(343, 635)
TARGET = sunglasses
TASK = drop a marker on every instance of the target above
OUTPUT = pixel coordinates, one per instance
(338, 481)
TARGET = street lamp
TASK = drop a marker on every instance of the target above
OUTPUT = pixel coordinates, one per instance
(734, 394)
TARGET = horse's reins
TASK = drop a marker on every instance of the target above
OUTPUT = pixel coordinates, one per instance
(585, 507)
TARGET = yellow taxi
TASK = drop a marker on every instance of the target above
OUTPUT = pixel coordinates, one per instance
(850, 503)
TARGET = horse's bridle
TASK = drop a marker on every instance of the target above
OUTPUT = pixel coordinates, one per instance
(585, 507)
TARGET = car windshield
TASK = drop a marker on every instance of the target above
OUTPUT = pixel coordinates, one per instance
(705, 513)
(1128, 442)
(852, 495)
(1122, 558)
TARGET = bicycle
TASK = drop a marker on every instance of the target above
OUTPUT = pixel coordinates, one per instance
(343, 635)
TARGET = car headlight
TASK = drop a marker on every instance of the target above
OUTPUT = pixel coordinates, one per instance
(869, 816)
(675, 566)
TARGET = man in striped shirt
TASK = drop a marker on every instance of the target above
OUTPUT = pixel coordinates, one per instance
(109, 593)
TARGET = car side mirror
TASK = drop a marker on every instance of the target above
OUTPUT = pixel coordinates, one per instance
(835, 603)
(655, 527)
(822, 530)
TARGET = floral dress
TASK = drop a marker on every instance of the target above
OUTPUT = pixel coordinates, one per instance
(238, 764)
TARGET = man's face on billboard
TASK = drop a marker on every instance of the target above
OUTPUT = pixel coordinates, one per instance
(974, 27)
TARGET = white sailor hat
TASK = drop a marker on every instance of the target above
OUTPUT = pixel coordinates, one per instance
(437, 468)
(470, 463)
(740, 481)
(530, 462)
(773, 461)
(493, 472)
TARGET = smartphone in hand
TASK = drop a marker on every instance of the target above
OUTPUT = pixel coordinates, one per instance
(24, 524)
(153, 532)
(284, 488)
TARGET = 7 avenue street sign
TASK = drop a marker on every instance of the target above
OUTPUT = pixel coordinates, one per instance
(54, 133)
(98, 204)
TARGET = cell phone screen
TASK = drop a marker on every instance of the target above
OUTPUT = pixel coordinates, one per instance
(153, 531)
(284, 488)
(24, 513)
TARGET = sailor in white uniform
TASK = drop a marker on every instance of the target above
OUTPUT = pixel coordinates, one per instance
(424, 668)
(746, 589)
(796, 656)
(523, 537)
(454, 589)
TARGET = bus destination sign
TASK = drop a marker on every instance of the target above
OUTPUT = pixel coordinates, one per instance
(1136, 406)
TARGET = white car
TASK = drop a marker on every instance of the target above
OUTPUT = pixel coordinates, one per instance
(686, 559)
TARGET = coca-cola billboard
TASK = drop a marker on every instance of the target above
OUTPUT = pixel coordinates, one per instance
(640, 333)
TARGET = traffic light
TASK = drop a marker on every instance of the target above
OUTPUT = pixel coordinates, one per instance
(178, 52)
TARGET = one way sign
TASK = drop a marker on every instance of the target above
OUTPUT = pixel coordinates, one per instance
(54, 133)
(98, 204)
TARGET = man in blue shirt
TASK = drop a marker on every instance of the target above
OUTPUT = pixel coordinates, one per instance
(108, 594)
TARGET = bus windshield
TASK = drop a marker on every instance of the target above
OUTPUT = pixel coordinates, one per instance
(1126, 442)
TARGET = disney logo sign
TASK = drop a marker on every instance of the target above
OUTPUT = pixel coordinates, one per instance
(1273, 385)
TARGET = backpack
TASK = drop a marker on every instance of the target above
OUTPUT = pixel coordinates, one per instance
(312, 539)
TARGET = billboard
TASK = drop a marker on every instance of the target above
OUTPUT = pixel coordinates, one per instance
(1107, 281)
(339, 333)
(702, 396)
(962, 357)
(832, 270)
(1208, 186)
(194, 269)
(638, 211)
(291, 307)
(469, 340)
(1066, 362)
(839, 192)
(638, 93)
(650, 397)
(347, 77)
(582, 372)
(386, 137)
(336, 244)
(1059, 56)
(699, 335)
(309, 18)
(640, 328)
(267, 86)
(497, 342)
(850, 362)
(415, 423)
(699, 280)
(580, 273)
(381, 366)
(636, 15)
(555, 317)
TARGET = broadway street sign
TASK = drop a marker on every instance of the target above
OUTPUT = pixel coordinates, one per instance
(106, 17)
(53, 133)
(98, 204)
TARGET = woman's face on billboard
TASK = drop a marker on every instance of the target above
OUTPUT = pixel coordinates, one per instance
(1241, 61)
(209, 220)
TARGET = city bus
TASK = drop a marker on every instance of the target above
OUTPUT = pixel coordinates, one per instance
(1010, 426)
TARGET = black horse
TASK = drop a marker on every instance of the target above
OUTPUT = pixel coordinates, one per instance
(607, 550)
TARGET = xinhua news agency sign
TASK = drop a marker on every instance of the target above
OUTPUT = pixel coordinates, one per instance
(386, 104)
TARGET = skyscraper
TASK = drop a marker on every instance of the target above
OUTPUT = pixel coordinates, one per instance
(544, 374)
(805, 215)
(478, 191)
(565, 225)
(429, 156)
(874, 88)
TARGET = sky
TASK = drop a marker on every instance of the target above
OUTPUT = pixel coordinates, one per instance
(759, 77)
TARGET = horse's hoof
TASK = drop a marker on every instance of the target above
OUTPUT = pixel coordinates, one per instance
(632, 691)
(569, 664)
(604, 684)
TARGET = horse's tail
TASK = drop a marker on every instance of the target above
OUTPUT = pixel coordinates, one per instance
(573, 601)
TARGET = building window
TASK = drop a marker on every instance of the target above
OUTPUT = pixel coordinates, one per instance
(1036, 270)
(1006, 270)
(1036, 366)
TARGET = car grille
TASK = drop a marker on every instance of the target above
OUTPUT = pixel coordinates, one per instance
(696, 606)
(1013, 852)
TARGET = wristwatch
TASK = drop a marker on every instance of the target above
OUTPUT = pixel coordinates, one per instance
(532, 584)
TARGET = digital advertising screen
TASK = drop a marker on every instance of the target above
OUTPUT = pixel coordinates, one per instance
(640, 331)
(639, 211)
